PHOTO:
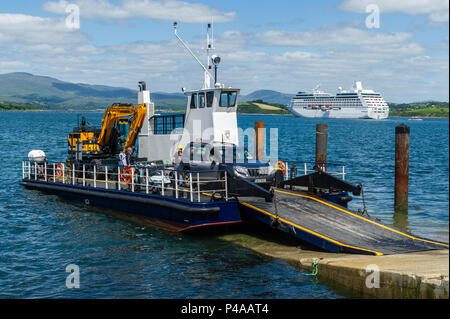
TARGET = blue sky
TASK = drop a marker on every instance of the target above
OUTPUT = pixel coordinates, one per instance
(281, 45)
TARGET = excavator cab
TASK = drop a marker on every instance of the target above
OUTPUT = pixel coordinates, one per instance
(120, 127)
(119, 135)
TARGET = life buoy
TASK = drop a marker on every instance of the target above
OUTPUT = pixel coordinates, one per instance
(59, 169)
(126, 174)
(281, 165)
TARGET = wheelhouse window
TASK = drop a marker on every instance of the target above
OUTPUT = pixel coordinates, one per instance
(168, 124)
(209, 98)
(194, 103)
(228, 99)
(201, 100)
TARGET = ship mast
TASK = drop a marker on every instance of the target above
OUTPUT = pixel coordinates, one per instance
(209, 47)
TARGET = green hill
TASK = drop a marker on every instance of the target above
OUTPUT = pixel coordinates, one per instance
(261, 107)
(50, 93)
(269, 96)
(15, 107)
(421, 109)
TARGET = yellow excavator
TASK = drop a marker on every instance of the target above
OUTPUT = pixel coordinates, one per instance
(121, 124)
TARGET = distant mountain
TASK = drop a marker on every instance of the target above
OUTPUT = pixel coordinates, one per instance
(50, 93)
(268, 96)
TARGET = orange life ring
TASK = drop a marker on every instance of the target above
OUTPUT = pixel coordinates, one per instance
(126, 174)
(282, 165)
(59, 169)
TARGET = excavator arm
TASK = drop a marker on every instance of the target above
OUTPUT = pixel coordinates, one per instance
(119, 111)
(136, 124)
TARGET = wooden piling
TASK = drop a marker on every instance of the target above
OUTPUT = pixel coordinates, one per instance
(321, 145)
(259, 140)
(401, 167)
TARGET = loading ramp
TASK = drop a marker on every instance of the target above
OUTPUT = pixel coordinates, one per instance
(330, 226)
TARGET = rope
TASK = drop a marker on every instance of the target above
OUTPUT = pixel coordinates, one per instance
(275, 204)
(275, 221)
(315, 268)
(364, 211)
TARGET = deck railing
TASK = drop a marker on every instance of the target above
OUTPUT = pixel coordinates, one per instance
(294, 169)
(194, 186)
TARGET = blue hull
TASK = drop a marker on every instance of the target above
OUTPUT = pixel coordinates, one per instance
(163, 211)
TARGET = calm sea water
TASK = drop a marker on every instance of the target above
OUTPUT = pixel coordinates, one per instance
(40, 234)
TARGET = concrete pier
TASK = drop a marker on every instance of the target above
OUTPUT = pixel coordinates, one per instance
(419, 275)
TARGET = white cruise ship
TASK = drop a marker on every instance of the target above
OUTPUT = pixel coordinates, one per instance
(357, 103)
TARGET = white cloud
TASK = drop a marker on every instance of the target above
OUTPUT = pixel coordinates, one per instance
(165, 10)
(90, 49)
(332, 55)
(13, 65)
(297, 56)
(32, 29)
(437, 10)
(332, 35)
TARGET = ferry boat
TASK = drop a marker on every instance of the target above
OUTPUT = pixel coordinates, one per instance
(358, 103)
(156, 187)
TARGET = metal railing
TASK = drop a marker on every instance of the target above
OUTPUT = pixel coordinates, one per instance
(194, 186)
(294, 169)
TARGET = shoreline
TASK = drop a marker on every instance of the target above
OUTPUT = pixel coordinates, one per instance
(101, 110)
(422, 117)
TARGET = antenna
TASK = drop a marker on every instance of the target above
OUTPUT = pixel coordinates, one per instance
(208, 76)
(210, 46)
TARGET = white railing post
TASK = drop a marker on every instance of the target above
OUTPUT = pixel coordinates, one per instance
(343, 173)
(190, 187)
(29, 170)
(226, 186)
(64, 173)
(106, 177)
(23, 169)
(84, 173)
(132, 179)
(95, 176)
(146, 180)
(286, 176)
(306, 169)
(176, 184)
(118, 178)
(198, 186)
(54, 173)
(45, 171)
(162, 182)
(35, 171)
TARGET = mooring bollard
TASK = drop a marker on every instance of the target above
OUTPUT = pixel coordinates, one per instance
(259, 140)
(321, 145)
(401, 167)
